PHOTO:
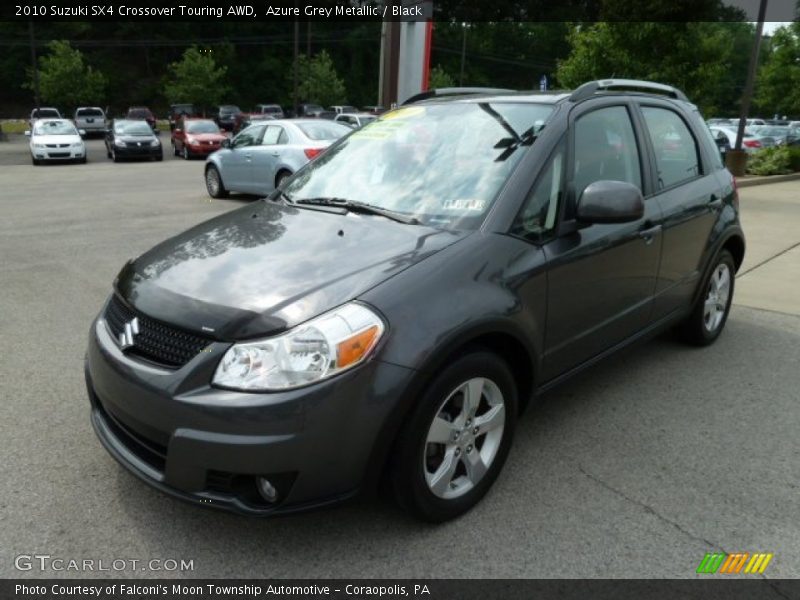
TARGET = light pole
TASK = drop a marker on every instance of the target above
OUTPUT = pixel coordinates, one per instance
(737, 160)
(34, 65)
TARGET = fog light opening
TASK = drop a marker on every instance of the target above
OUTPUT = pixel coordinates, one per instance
(267, 490)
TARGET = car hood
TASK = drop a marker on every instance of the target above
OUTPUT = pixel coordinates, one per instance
(206, 137)
(136, 138)
(267, 267)
(56, 139)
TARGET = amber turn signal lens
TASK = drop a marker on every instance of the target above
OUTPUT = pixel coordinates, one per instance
(353, 349)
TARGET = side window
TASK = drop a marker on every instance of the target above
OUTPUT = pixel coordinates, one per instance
(605, 149)
(248, 137)
(675, 147)
(538, 214)
(272, 135)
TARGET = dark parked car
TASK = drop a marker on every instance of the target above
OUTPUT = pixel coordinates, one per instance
(132, 138)
(143, 113)
(308, 110)
(273, 110)
(226, 116)
(176, 111)
(390, 321)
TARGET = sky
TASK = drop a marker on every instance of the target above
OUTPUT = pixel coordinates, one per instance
(771, 26)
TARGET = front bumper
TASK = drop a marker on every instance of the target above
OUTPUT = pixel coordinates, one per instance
(205, 445)
(144, 151)
(57, 154)
(203, 149)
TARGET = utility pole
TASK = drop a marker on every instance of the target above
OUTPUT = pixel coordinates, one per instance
(296, 57)
(747, 96)
(308, 40)
(35, 66)
(463, 53)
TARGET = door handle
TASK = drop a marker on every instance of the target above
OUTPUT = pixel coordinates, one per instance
(275, 153)
(648, 234)
(247, 156)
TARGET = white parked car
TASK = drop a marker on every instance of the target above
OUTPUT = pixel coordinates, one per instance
(56, 140)
(750, 142)
(45, 112)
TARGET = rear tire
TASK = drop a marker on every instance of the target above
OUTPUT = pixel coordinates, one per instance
(707, 320)
(214, 185)
(175, 150)
(455, 441)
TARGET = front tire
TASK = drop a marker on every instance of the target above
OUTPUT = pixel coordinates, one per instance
(710, 314)
(214, 185)
(186, 155)
(454, 443)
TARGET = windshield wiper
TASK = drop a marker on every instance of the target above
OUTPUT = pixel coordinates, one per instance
(355, 206)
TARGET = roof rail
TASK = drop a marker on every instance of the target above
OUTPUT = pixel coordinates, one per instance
(592, 87)
(454, 91)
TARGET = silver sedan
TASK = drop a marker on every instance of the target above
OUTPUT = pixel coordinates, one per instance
(259, 158)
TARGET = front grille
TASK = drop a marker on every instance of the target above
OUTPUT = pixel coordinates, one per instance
(57, 145)
(58, 154)
(156, 342)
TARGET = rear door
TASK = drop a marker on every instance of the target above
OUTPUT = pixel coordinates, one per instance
(601, 277)
(688, 193)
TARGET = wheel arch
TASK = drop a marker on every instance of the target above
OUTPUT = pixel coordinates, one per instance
(522, 361)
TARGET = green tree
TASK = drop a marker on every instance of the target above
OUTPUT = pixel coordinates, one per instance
(439, 78)
(707, 60)
(196, 78)
(65, 80)
(778, 83)
(318, 81)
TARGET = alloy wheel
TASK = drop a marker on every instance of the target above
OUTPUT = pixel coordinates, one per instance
(212, 181)
(464, 438)
(717, 297)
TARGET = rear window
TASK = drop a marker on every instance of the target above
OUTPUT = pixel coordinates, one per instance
(323, 130)
(675, 148)
(46, 113)
(89, 112)
(708, 140)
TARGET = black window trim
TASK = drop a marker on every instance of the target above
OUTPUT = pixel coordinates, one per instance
(560, 146)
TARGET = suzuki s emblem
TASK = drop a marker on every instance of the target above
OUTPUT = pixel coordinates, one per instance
(126, 336)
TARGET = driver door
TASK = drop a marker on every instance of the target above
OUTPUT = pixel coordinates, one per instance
(601, 277)
(237, 161)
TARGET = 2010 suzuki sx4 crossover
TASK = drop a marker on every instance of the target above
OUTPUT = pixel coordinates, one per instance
(388, 310)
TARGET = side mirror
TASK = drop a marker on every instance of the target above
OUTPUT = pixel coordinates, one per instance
(28, 132)
(81, 132)
(610, 202)
(226, 143)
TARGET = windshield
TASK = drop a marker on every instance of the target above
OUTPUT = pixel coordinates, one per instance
(55, 128)
(441, 163)
(132, 128)
(201, 127)
(323, 131)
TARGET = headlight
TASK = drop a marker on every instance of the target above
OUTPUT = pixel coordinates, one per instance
(191, 140)
(38, 145)
(119, 143)
(77, 144)
(313, 351)
(155, 143)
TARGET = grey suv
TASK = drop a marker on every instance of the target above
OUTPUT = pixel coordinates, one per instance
(388, 311)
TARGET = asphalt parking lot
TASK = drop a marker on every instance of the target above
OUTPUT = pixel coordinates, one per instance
(636, 469)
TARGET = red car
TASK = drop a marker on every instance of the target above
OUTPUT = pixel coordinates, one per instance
(142, 112)
(196, 137)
